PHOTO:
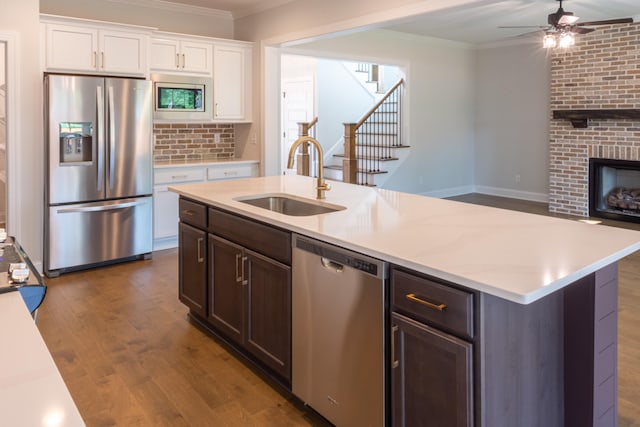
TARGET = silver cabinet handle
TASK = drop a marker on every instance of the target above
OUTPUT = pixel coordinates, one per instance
(183, 61)
(200, 257)
(394, 362)
(101, 208)
(100, 136)
(177, 60)
(112, 135)
(93, 60)
(238, 272)
(102, 60)
(244, 277)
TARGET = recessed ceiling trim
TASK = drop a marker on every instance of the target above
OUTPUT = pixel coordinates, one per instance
(177, 7)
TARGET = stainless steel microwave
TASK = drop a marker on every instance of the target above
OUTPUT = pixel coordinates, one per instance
(178, 98)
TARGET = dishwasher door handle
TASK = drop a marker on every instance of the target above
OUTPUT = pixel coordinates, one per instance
(331, 265)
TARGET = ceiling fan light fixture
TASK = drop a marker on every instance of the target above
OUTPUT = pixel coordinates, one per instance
(549, 41)
(566, 40)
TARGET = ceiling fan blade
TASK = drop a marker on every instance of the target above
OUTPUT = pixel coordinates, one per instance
(580, 30)
(568, 19)
(542, 27)
(608, 22)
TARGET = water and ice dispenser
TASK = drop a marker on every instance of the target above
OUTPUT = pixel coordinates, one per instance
(76, 142)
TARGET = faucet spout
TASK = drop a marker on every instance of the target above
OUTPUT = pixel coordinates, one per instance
(322, 186)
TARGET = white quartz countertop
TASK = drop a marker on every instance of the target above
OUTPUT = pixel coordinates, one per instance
(32, 392)
(513, 255)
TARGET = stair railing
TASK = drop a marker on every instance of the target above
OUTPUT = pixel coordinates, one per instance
(303, 160)
(376, 134)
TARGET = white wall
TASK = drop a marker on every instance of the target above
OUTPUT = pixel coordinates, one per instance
(171, 17)
(512, 121)
(341, 99)
(441, 94)
(21, 20)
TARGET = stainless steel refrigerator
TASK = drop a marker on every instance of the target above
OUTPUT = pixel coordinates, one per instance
(99, 171)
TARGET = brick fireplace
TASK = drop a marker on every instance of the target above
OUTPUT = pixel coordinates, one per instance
(602, 71)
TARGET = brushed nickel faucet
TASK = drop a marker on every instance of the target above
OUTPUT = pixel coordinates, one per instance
(322, 186)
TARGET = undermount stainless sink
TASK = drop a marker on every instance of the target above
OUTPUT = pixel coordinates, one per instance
(288, 205)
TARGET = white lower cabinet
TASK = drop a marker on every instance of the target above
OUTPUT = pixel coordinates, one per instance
(165, 203)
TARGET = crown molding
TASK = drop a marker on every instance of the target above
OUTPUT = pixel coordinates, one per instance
(177, 7)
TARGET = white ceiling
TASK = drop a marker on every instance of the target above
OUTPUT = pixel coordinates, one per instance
(474, 23)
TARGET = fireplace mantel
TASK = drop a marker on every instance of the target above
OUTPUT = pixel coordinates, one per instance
(580, 118)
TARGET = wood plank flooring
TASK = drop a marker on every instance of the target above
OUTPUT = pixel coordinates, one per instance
(130, 357)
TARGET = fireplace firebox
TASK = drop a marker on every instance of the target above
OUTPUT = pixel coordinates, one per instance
(614, 189)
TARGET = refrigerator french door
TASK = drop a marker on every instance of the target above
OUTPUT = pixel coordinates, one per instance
(99, 170)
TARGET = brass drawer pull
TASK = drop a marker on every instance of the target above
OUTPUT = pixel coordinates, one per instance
(188, 212)
(413, 297)
(394, 362)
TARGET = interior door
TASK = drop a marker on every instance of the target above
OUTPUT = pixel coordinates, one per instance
(74, 118)
(129, 170)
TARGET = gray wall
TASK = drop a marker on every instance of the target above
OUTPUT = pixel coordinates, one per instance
(512, 121)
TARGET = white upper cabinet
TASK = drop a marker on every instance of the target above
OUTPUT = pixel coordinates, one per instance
(181, 55)
(94, 49)
(232, 82)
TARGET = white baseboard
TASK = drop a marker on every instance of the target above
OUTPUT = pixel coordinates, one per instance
(514, 194)
(450, 192)
(492, 191)
(165, 243)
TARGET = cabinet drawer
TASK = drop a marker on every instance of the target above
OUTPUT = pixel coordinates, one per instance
(231, 171)
(174, 175)
(432, 302)
(193, 213)
(262, 238)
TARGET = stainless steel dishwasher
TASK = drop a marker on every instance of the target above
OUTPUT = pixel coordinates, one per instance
(338, 333)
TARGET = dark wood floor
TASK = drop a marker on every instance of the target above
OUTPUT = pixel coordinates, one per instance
(130, 357)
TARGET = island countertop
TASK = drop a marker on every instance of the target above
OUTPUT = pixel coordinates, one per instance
(517, 256)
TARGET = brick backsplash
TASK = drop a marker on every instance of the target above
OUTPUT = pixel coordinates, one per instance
(193, 141)
(602, 71)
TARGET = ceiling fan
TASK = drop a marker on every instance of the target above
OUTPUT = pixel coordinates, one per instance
(562, 27)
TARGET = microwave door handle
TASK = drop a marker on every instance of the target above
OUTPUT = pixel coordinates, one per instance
(112, 136)
(100, 134)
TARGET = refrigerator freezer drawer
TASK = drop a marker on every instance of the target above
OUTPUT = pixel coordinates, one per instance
(89, 233)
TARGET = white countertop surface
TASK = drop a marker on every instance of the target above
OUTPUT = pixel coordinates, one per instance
(513, 255)
(32, 392)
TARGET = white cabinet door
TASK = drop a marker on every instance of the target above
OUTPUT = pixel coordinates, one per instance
(165, 55)
(86, 49)
(165, 213)
(230, 83)
(181, 55)
(196, 57)
(122, 52)
(71, 48)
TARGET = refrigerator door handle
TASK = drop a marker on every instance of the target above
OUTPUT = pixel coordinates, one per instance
(101, 208)
(112, 135)
(100, 132)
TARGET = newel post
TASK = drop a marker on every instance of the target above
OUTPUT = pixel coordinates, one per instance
(349, 162)
(302, 160)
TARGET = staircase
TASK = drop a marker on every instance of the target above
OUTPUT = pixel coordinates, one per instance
(373, 143)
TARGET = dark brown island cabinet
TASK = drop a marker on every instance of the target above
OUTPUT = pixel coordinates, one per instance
(235, 276)
(457, 357)
(460, 357)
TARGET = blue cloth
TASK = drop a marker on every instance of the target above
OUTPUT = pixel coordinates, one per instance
(33, 295)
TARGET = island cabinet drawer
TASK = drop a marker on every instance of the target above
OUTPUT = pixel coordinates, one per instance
(433, 303)
(259, 237)
(193, 213)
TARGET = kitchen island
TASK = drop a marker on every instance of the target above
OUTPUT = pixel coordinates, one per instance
(540, 330)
